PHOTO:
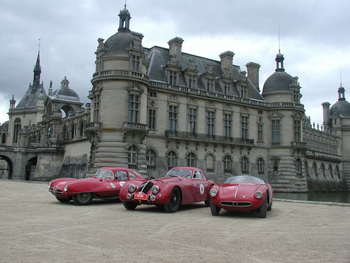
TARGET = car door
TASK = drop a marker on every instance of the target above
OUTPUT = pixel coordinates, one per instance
(199, 186)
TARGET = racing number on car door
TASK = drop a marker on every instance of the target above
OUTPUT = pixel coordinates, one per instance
(199, 186)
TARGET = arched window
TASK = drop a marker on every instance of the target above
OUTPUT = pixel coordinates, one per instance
(307, 169)
(323, 170)
(245, 164)
(132, 157)
(151, 159)
(172, 159)
(261, 165)
(210, 163)
(227, 164)
(191, 160)
(3, 138)
(314, 166)
(17, 128)
(330, 169)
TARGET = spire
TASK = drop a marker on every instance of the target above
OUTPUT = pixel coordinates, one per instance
(124, 20)
(341, 93)
(37, 69)
(279, 57)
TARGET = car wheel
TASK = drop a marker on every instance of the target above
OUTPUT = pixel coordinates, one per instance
(83, 198)
(215, 210)
(63, 200)
(269, 208)
(174, 201)
(129, 205)
(263, 209)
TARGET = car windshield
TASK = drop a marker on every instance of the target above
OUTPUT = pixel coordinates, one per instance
(179, 172)
(244, 179)
(104, 174)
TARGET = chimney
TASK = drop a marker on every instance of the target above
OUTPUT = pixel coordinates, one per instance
(227, 61)
(253, 73)
(326, 115)
(175, 46)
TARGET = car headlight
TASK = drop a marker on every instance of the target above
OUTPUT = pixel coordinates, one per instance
(65, 188)
(131, 188)
(49, 185)
(213, 192)
(258, 194)
(155, 189)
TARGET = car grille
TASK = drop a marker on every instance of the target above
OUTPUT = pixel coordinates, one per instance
(145, 187)
(236, 204)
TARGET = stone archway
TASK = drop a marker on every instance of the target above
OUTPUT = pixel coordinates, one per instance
(30, 168)
(6, 167)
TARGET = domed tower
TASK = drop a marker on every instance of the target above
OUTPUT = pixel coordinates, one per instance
(282, 92)
(119, 100)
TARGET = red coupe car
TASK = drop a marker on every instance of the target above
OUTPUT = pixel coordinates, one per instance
(180, 186)
(241, 193)
(106, 183)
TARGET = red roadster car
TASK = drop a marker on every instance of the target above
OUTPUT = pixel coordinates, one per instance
(180, 186)
(106, 183)
(241, 193)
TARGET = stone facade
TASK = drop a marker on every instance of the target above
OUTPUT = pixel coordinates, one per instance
(155, 108)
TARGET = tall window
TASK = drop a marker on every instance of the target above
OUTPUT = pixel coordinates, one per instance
(227, 124)
(297, 131)
(135, 61)
(245, 164)
(227, 88)
(227, 164)
(192, 81)
(192, 120)
(172, 117)
(151, 159)
(298, 167)
(97, 101)
(261, 165)
(191, 160)
(172, 77)
(296, 96)
(132, 157)
(210, 163)
(314, 166)
(17, 128)
(172, 159)
(244, 92)
(210, 85)
(276, 131)
(244, 127)
(260, 132)
(152, 119)
(210, 119)
(133, 108)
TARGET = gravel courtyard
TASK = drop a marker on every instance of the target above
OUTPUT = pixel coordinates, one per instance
(35, 227)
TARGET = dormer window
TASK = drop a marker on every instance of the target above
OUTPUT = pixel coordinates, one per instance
(210, 85)
(243, 92)
(173, 77)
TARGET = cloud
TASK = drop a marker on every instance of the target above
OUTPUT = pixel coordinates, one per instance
(313, 39)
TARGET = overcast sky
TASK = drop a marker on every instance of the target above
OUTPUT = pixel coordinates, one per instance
(314, 38)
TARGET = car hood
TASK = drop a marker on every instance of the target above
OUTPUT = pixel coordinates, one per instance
(167, 180)
(71, 181)
(239, 189)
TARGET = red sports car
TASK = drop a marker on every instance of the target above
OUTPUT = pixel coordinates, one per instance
(180, 186)
(241, 193)
(106, 183)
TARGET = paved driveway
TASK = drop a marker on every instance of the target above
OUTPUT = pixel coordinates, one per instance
(34, 227)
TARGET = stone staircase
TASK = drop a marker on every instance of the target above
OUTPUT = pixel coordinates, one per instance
(288, 183)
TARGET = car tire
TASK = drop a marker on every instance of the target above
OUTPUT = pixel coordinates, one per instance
(174, 201)
(63, 200)
(129, 205)
(83, 198)
(215, 210)
(263, 209)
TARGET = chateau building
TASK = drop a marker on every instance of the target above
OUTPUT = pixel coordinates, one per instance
(155, 108)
